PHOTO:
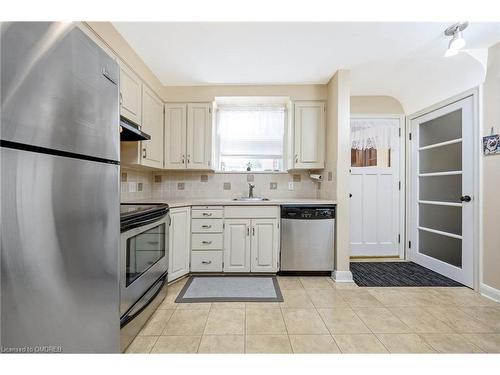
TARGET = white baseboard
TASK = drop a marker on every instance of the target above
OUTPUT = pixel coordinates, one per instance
(489, 292)
(342, 276)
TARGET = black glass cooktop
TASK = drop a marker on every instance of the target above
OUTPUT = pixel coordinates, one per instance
(134, 213)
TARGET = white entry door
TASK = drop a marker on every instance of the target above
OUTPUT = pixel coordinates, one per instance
(375, 187)
(442, 186)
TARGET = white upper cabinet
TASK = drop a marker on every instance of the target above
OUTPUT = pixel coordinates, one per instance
(265, 245)
(199, 136)
(237, 245)
(309, 135)
(188, 136)
(152, 124)
(175, 136)
(130, 95)
(179, 242)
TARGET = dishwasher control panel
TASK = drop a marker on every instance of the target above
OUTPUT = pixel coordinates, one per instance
(317, 212)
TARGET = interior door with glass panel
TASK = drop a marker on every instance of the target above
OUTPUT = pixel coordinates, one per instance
(442, 185)
(374, 187)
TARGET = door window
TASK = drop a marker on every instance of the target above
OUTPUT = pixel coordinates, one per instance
(143, 251)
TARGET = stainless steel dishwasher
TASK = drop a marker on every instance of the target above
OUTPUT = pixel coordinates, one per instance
(307, 239)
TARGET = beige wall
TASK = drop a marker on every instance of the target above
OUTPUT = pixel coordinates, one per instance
(338, 155)
(491, 173)
(208, 93)
(375, 105)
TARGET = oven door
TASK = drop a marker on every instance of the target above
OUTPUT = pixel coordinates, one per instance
(144, 259)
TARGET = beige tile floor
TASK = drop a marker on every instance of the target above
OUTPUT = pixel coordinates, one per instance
(320, 316)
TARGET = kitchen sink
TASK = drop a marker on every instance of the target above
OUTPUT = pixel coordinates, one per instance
(248, 199)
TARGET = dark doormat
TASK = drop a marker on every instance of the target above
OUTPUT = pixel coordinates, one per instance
(397, 274)
(230, 289)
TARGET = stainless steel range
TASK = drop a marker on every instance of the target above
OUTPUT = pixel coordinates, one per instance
(143, 264)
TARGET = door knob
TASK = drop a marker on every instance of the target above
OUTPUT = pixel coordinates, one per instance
(350, 195)
(465, 198)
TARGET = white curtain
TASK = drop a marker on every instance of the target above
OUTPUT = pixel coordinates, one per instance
(248, 131)
(374, 133)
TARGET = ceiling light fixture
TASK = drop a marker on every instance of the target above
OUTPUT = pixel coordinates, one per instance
(457, 41)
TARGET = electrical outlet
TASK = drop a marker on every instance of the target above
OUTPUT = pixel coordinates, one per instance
(273, 185)
(290, 185)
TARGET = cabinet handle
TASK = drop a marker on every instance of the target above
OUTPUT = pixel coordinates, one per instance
(153, 242)
(121, 99)
(144, 153)
(206, 262)
(206, 242)
(296, 158)
(207, 214)
(253, 231)
(206, 226)
(248, 231)
(182, 159)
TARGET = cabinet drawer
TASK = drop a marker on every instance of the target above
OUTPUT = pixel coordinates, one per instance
(206, 261)
(207, 214)
(208, 241)
(238, 212)
(206, 226)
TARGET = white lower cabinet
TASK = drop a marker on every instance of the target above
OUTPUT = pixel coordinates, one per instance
(251, 245)
(179, 242)
(206, 261)
(237, 245)
(265, 245)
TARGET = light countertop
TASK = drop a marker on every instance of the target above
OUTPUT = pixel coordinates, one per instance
(226, 202)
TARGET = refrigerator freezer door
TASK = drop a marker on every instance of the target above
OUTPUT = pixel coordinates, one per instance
(59, 250)
(58, 90)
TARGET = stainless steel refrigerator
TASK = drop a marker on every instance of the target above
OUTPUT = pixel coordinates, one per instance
(60, 226)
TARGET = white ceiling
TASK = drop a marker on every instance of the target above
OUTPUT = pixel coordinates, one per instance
(384, 58)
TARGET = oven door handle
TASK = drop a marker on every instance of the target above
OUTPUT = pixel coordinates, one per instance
(137, 224)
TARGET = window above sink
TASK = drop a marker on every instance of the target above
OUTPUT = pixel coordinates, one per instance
(251, 134)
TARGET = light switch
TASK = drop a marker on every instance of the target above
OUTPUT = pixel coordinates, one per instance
(290, 185)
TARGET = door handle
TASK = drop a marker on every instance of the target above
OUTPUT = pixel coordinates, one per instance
(465, 198)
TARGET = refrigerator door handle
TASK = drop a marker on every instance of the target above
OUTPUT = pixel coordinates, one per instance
(106, 75)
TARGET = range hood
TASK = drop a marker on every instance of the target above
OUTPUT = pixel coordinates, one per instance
(131, 132)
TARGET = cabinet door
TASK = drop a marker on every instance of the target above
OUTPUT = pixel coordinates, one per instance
(175, 136)
(237, 245)
(309, 134)
(265, 243)
(152, 124)
(179, 242)
(130, 95)
(199, 136)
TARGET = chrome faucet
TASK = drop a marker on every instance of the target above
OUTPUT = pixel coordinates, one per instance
(250, 190)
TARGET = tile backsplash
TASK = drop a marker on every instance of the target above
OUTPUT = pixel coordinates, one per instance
(183, 184)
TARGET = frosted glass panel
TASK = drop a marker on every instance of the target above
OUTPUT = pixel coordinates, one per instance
(441, 129)
(446, 249)
(441, 159)
(441, 188)
(443, 218)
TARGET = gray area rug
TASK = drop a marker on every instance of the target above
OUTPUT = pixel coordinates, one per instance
(230, 289)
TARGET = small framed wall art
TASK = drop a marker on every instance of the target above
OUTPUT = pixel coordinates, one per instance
(491, 144)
